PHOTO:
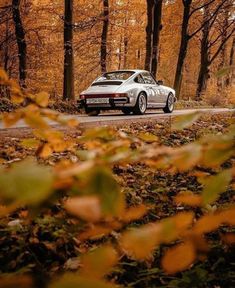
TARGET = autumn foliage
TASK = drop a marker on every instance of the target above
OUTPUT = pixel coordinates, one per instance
(90, 192)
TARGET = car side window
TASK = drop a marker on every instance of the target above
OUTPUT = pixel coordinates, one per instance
(139, 79)
(148, 79)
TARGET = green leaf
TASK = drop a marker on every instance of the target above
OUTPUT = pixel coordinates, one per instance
(102, 183)
(184, 121)
(72, 281)
(30, 143)
(148, 137)
(215, 185)
(26, 183)
(224, 71)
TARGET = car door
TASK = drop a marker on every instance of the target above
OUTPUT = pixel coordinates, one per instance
(151, 87)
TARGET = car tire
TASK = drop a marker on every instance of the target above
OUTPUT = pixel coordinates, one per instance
(92, 112)
(126, 111)
(169, 104)
(141, 104)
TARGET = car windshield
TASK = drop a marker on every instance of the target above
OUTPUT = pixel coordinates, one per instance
(119, 75)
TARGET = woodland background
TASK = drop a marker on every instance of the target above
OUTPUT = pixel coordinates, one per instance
(187, 43)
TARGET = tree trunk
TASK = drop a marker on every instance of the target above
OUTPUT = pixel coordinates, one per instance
(221, 81)
(120, 54)
(68, 93)
(156, 35)
(231, 75)
(183, 47)
(125, 52)
(205, 60)
(104, 36)
(21, 43)
(149, 34)
(6, 51)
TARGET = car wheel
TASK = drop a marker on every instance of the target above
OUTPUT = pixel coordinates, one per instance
(92, 112)
(141, 105)
(126, 111)
(169, 104)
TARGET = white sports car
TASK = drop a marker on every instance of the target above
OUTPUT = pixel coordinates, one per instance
(131, 91)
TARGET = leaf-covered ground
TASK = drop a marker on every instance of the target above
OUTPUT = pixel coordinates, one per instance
(47, 244)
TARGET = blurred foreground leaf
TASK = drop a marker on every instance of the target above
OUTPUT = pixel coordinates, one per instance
(26, 183)
(183, 121)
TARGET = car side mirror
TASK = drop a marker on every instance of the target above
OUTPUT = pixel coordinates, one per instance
(160, 82)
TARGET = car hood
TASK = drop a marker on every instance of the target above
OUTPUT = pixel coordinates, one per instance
(101, 89)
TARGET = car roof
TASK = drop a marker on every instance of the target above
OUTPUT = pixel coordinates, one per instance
(128, 70)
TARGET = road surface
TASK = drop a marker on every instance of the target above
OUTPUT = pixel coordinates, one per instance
(113, 119)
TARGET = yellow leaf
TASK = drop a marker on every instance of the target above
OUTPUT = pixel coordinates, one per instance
(87, 208)
(98, 263)
(42, 99)
(34, 120)
(179, 258)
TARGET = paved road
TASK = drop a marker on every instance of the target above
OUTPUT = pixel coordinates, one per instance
(118, 118)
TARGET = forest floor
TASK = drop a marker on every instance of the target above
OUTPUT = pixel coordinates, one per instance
(48, 246)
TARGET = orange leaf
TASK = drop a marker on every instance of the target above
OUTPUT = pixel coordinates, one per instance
(140, 243)
(228, 216)
(188, 198)
(10, 119)
(42, 99)
(44, 151)
(87, 208)
(179, 258)
(98, 231)
(207, 223)
(134, 213)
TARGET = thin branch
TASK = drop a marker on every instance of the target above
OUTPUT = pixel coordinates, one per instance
(222, 45)
(214, 14)
(200, 7)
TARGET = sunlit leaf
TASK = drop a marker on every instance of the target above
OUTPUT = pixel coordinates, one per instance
(179, 258)
(215, 185)
(26, 183)
(183, 121)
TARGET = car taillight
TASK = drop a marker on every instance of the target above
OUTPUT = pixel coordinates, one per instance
(120, 95)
